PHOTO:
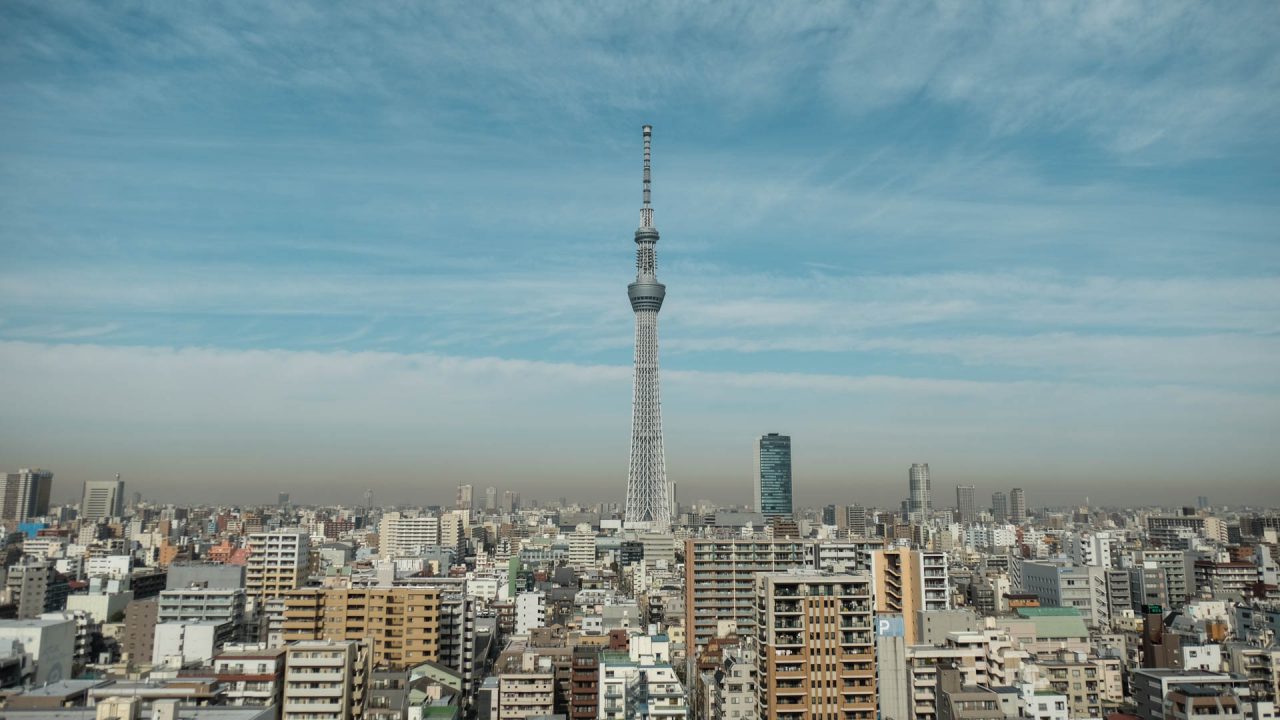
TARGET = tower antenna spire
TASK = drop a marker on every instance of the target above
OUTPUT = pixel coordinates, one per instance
(646, 212)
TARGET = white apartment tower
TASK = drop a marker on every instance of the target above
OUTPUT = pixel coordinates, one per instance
(402, 535)
(920, 487)
(278, 562)
(582, 547)
(325, 680)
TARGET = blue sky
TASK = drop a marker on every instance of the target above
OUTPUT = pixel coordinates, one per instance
(278, 246)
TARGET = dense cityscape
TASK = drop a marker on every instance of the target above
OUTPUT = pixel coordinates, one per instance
(954, 378)
(500, 607)
(496, 605)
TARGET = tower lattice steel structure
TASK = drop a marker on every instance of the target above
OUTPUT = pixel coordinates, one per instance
(648, 492)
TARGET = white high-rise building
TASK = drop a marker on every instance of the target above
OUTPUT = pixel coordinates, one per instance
(278, 561)
(582, 546)
(1017, 506)
(531, 611)
(920, 502)
(453, 527)
(102, 499)
(1092, 548)
(648, 492)
(402, 535)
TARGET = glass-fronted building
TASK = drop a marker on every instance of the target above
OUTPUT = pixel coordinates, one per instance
(773, 475)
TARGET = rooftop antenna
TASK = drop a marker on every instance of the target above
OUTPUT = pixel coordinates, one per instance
(646, 212)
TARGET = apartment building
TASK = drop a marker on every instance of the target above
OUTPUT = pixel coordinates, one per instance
(584, 684)
(200, 604)
(1059, 583)
(32, 588)
(636, 686)
(1221, 578)
(1179, 581)
(460, 642)
(1150, 687)
(325, 680)
(852, 555)
(251, 677)
(526, 695)
(910, 581)
(1084, 682)
(531, 611)
(719, 582)
(816, 654)
(1188, 702)
(1259, 665)
(731, 686)
(1165, 530)
(278, 562)
(401, 535)
(401, 624)
(980, 657)
(582, 547)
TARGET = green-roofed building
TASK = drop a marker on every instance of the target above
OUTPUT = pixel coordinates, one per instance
(1055, 624)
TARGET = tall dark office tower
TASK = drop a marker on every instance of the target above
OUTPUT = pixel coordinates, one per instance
(829, 515)
(648, 494)
(965, 509)
(773, 475)
(999, 507)
(24, 495)
(1017, 506)
(919, 503)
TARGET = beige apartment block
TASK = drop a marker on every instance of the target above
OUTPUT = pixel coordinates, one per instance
(401, 624)
(817, 650)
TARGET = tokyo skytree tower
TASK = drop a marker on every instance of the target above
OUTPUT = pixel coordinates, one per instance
(648, 492)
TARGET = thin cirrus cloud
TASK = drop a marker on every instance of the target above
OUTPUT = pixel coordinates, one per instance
(397, 238)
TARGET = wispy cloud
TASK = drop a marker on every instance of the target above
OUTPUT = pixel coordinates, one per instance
(984, 230)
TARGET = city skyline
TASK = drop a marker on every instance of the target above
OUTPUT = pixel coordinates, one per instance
(227, 273)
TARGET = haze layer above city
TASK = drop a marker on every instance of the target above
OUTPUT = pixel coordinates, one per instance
(259, 248)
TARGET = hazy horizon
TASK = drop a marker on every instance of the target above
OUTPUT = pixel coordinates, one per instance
(249, 249)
